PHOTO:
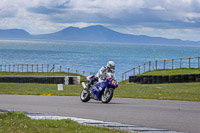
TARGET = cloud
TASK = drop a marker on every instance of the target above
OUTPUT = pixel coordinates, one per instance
(43, 16)
(157, 8)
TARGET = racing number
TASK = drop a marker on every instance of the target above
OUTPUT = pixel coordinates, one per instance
(114, 82)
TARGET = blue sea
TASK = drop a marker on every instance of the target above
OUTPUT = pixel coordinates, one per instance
(89, 56)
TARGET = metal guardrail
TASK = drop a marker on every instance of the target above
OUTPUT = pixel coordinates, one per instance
(163, 64)
(40, 68)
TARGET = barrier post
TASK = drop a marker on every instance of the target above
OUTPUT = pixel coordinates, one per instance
(181, 63)
(156, 64)
(149, 65)
(189, 62)
(164, 64)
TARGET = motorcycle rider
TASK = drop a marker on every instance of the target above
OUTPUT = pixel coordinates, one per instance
(102, 74)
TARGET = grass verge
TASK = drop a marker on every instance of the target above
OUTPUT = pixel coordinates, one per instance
(179, 71)
(18, 122)
(175, 91)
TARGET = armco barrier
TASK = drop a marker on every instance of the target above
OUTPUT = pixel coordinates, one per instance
(42, 79)
(165, 79)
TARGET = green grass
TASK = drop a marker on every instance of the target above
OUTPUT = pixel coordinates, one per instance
(175, 91)
(178, 71)
(18, 122)
(39, 89)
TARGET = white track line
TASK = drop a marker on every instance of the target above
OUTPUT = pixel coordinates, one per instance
(113, 125)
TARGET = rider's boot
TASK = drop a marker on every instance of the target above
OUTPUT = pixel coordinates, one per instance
(87, 87)
(89, 84)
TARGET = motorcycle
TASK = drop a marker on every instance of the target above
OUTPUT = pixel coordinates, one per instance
(101, 91)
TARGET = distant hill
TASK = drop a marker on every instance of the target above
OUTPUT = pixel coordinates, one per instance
(95, 33)
(14, 33)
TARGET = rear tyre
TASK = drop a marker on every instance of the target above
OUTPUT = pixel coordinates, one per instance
(107, 95)
(85, 96)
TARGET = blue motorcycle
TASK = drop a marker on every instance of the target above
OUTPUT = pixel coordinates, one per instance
(101, 91)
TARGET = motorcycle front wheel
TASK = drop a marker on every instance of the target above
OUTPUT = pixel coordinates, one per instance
(107, 95)
(85, 96)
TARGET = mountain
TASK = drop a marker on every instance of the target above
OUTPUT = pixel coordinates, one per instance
(95, 33)
(14, 33)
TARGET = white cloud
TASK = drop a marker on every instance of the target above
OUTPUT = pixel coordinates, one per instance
(157, 8)
(156, 16)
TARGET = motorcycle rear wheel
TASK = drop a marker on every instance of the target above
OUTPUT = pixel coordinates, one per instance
(84, 96)
(107, 95)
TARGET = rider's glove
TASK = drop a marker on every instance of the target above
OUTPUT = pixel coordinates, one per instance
(96, 79)
(101, 77)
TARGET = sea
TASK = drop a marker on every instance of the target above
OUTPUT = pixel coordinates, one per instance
(90, 56)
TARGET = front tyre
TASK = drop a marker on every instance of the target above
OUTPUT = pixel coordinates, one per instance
(107, 95)
(85, 96)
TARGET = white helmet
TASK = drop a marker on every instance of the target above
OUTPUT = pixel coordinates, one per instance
(111, 65)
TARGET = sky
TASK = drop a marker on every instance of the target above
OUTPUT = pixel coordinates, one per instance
(161, 18)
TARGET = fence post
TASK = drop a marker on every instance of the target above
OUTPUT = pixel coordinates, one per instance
(172, 63)
(42, 67)
(68, 70)
(32, 68)
(156, 64)
(60, 68)
(47, 67)
(181, 63)
(53, 67)
(189, 62)
(139, 69)
(164, 64)
(149, 65)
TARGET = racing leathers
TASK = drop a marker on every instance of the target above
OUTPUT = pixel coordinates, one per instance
(101, 75)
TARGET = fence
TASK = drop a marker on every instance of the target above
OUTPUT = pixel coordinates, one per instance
(163, 64)
(40, 68)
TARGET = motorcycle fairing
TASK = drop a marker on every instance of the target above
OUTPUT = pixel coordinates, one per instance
(97, 89)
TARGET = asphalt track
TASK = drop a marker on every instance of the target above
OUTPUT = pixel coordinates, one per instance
(178, 116)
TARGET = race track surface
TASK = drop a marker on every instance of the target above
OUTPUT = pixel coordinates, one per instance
(171, 115)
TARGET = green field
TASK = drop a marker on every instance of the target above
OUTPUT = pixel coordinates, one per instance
(18, 122)
(174, 91)
(179, 71)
